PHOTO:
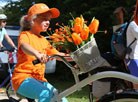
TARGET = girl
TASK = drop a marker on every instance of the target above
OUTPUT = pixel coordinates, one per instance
(28, 79)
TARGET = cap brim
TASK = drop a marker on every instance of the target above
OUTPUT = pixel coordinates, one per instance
(55, 12)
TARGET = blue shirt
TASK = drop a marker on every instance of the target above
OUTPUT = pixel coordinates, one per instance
(2, 33)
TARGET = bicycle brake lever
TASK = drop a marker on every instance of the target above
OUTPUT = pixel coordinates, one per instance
(38, 61)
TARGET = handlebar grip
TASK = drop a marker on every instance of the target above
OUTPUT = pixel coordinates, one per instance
(36, 62)
(2, 49)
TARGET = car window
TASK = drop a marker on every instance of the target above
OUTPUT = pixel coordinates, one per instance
(14, 39)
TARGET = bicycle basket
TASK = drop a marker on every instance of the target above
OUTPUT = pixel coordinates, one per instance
(87, 57)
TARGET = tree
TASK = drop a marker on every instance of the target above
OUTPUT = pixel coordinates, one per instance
(1, 11)
(101, 9)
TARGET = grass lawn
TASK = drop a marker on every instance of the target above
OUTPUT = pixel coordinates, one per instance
(78, 96)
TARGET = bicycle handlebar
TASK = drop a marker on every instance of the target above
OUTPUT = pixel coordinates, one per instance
(37, 61)
(56, 56)
(2, 49)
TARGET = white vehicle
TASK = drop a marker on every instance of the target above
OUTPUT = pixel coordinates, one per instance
(13, 32)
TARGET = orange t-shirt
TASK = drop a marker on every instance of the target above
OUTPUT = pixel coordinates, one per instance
(24, 67)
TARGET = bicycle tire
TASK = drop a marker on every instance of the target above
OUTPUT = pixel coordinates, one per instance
(120, 96)
(11, 94)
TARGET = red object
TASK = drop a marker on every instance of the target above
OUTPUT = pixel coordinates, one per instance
(11, 59)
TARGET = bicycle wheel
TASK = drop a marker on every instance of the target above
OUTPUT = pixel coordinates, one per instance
(12, 95)
(120, 96)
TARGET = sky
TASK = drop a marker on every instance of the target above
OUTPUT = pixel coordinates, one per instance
(3, 2)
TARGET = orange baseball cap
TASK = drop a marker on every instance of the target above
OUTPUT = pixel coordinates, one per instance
(42, 8)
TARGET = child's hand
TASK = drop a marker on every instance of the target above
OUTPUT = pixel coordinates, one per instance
(42, 57)
(76, 66)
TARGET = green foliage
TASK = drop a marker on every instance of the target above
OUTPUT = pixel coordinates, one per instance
(101, 9)
(1, 11)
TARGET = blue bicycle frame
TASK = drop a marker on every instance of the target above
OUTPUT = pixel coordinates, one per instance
(8, 77)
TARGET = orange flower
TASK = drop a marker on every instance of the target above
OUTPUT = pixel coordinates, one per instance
(82, 21)
(56, 30)
(72, 29)
(57, 24)
(69, 39)
(65, 28)
(49, 28)
(77, 28)
(55, 35)
(85, 21)
(61, 29)
(51, 37)
(84, 33)
(78, 20)
(63, 40)
(76, 38)
(94, 26)
(56, 39)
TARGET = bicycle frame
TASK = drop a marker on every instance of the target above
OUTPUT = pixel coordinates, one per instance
(91, 78)
(10, 72)
(5, 81)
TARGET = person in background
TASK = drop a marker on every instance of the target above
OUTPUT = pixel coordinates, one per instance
(132, 33)
(133, 11)
(28, 79)
(3, 34)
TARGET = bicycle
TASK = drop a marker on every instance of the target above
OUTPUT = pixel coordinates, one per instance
(121, 93)
(11, 94)
(132, 94)
(7, 80)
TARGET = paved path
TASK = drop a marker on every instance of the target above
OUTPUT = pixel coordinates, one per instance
(4, 98)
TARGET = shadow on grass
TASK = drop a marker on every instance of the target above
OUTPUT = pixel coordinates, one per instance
(4, 100)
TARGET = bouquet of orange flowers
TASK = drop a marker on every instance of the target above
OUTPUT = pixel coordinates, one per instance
(74, 35)
(77, 38)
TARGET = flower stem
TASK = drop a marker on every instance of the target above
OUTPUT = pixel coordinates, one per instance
(48, 34)
(91, 37)
(92, 19)
(71, 15)
(77, 47)
(100, 31)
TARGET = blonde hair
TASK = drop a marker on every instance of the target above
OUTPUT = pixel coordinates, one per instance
(26, 25)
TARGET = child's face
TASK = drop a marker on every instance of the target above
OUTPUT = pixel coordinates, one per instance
(42, 22)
